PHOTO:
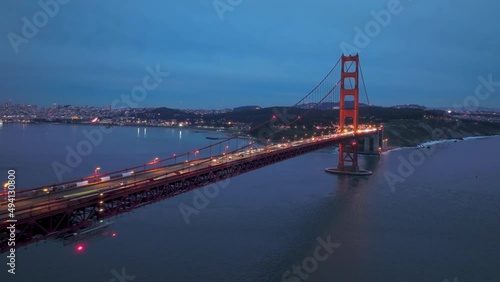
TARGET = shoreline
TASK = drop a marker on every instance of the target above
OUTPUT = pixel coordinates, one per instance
(441, 141)
(454, 140)
(246, 136)
(221, 131)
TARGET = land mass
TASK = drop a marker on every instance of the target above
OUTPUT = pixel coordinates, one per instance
(407, 125)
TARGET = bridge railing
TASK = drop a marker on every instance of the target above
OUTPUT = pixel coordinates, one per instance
(142, 167)
(157, 164)
(147, 167)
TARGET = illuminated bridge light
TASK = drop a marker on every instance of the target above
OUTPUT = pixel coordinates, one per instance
(80, 248)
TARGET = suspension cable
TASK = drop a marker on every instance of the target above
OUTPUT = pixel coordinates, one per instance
(321, 82)
(364, 85)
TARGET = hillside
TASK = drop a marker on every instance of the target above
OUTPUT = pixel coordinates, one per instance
(405, 133)
(403, 126)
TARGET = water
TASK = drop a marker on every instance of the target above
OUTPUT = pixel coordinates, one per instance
(441, 223)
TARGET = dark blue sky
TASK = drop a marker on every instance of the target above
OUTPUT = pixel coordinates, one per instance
(262, 52)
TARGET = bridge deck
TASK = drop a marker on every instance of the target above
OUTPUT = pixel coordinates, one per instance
(47, 213)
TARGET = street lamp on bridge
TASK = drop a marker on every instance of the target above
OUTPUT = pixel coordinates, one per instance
(153, 162)
(5, 188)
(96, 170)
(225, 149)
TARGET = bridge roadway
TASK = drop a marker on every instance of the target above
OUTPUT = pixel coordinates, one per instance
(33, 204)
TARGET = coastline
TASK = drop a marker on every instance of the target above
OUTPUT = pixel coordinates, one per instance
(441, 141)
(241, 135)
(454, 140)
(224, 131)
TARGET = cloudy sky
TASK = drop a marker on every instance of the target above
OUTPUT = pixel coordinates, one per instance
(255, 53)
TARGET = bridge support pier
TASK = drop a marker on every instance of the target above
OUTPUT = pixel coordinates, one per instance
(372, 145)
(348, 156)
(348, 160)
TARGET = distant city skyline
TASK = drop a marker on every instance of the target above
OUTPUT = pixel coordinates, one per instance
(239, 106)
(423, 52)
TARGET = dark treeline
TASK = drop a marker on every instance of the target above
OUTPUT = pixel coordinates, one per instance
(254, 116)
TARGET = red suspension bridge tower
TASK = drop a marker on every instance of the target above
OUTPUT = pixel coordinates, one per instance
(349, 87)
(349, 112)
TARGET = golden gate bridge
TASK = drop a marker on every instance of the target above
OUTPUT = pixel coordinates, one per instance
(54, 210)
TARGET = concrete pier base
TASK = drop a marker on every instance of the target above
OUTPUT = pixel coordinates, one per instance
(359, 172)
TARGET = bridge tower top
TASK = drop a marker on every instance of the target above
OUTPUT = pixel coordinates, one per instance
(349, 89)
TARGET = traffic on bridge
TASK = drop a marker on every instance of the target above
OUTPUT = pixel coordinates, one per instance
(80, 203)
